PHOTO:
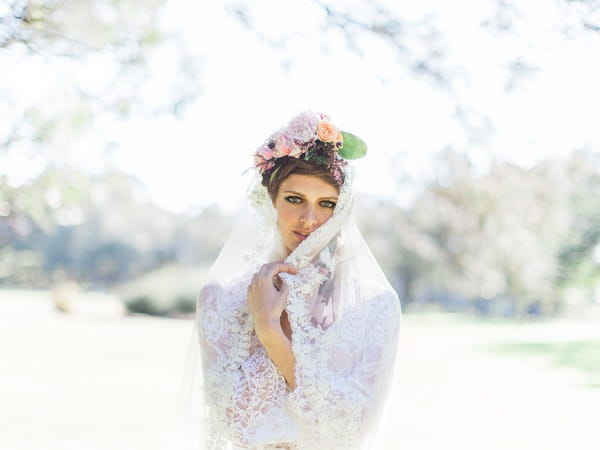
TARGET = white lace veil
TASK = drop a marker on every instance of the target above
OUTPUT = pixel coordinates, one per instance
(345, 319)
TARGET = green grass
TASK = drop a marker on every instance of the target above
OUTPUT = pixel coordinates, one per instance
(581, 355)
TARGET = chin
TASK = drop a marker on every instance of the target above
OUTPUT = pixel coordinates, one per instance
(291, 246)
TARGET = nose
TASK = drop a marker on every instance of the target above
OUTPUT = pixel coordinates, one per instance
(308, 218)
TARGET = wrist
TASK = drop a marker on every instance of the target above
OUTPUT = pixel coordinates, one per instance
(266, 319)
(268, 330)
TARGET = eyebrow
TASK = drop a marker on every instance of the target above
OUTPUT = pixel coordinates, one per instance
(302, 195)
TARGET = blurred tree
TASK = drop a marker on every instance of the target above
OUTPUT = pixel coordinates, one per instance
(416, 45)
(579, 258)
(505, 241)
(420, 48)
(106, 50)
(102, 63)
(510, 232)
(499, 233)
(100, 230)
(68, 28)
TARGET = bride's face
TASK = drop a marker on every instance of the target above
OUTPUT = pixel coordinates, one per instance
(303, 204)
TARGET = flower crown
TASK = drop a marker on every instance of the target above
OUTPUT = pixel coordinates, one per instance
(313, 138)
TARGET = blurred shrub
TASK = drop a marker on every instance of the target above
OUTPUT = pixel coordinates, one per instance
(143, 304)
(185, 304)
(168, 291)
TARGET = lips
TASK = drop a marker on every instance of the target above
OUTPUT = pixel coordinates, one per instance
(301, 236)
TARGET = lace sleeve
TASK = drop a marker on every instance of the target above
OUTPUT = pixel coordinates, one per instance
(341, 393)
(244, 390)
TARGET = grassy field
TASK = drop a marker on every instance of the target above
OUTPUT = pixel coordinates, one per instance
(95, 379)
(583, 355)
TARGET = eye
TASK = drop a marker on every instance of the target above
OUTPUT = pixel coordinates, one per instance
(328, 204)
(293, 199)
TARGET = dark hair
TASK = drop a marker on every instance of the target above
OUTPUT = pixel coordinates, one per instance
(272, 179)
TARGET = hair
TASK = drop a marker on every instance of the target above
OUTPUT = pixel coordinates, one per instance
(272, 179)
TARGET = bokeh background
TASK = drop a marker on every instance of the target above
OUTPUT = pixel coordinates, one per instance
(126, 132)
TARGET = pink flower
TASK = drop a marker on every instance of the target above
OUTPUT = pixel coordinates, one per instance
(297, 151)
(283, 146)
(298, 137)
(265, 152)
(258, 160)
(262, 164)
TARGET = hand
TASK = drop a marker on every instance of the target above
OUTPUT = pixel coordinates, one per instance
(267, 295)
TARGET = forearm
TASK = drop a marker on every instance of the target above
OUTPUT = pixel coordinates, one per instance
(279, 349)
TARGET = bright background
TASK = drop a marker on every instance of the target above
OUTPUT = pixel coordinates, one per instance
(126, 129)
(496, 80)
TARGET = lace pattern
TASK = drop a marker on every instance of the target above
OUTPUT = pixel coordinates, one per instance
(343, 339)
(245, 391)
(250, 402)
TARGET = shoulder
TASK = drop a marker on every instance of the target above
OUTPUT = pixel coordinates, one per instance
(383, 319)
(384, 306)
(378, 297)
(219, 294)
(375, 306)
(221, 307)
(381, 305)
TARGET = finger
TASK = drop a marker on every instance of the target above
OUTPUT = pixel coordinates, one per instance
(277, 268)
(266, 270)
(270, 267)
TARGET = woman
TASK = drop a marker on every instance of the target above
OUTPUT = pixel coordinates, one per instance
(297, 327)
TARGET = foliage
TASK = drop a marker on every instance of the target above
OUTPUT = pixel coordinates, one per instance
(504, 241)
(100, 231)
(580, 254)
(507, 241)
(123, 38)
(97, 57)
(507, 238)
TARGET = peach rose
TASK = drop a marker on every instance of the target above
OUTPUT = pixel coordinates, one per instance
(327, 132)
(339, 137)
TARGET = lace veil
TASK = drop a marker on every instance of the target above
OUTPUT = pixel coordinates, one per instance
(345, 320)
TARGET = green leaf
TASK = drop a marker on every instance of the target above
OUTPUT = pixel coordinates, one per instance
(353, 148)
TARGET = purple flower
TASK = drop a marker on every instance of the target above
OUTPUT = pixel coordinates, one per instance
(303, 128)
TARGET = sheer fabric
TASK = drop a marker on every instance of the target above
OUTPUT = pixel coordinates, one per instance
(345, 321)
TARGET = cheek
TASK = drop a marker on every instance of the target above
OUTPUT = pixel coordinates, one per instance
(324, 215)
(285, 216)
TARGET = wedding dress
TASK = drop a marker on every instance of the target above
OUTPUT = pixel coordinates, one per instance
(345, 321)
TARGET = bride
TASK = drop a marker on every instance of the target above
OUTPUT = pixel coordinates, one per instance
(296, 330)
